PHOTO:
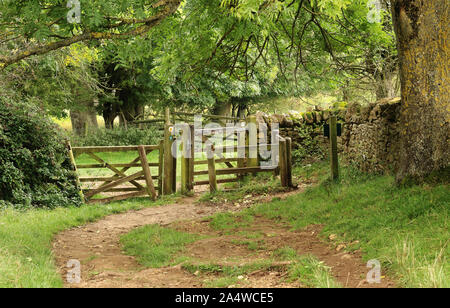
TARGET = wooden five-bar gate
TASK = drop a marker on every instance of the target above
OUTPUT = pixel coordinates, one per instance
(138, 183)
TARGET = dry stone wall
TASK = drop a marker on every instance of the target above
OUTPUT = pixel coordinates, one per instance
(370, 138)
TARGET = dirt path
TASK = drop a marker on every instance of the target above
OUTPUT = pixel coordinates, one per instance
(97, 247)
(104, 265)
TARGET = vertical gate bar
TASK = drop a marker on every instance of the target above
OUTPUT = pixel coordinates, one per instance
(185, 160)
(161, 167)
(168, 161)
(212, 170)
(253, 142)
(192, 159)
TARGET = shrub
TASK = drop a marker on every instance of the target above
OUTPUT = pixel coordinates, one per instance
(35, 170)
(118, 137)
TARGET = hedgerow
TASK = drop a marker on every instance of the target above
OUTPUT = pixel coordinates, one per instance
(35, 170)
(118, 137)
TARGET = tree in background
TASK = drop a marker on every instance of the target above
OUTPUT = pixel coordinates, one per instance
(60, 83)
(45, 27)
(299, 47)
(294, 47)
(286, 46)
(125, 70)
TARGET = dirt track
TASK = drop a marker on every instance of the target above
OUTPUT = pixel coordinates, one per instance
(104, 265)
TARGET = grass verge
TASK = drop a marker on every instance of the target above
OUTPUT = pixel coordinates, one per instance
(26, 259)
(405, 228)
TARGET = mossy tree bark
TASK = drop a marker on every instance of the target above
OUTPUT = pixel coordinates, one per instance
(422, 38)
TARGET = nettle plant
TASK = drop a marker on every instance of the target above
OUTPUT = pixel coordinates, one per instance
(35, 169)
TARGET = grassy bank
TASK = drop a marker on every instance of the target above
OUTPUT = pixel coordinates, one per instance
(25, 240)
(405, 228)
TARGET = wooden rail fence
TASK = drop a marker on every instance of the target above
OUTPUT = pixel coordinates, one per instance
(241, 144)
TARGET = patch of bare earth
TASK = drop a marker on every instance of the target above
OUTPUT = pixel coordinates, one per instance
(232, 249)
(103, 265)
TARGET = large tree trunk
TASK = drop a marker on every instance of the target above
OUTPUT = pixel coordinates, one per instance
(422, 38)
(129, 110)
(92, 118)
(242, 111)
(222, 108)
(84, 119)
(79, 122)
(109, 113)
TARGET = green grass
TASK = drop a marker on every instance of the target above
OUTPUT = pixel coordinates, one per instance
(308, 270)
(229, 221)
(26, 259)
(312, 272)
(251, 245)
(155, 246)
(405, 228)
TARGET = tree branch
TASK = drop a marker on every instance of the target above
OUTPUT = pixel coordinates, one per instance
(168, 7)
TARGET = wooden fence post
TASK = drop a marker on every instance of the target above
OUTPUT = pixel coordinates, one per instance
(147, 173)
(161, 167)
(167, 116)
(289, 162)
(241, 142)
(173, 176)
(253, 142)
(283, 163)
(274, 139)
(192, 159)
(333, 148)
(185, 160)
(169, 159)
(212, 170)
